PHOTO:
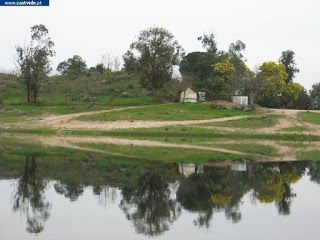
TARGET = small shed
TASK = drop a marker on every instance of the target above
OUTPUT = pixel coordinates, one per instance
(240, 100)
(202, 96)
(239, 167)
(188, 169)
(189, 96)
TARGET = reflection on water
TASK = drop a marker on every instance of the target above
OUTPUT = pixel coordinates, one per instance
(149, 206)
(151, 195)
(29, 198)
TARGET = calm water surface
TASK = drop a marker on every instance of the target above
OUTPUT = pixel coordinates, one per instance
(91, 197)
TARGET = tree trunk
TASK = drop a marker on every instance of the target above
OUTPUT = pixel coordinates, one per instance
(252, 97)
(35, 95)
(65, 98)
(28, 90)
(154, 92)
(184, 96)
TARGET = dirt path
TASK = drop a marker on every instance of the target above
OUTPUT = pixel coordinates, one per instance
(67, 121)
(73, 142)
(124, 124)
(290, 119)
(286, 151)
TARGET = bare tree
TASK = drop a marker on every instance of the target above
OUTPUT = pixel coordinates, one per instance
(107, 61)
(116, 64)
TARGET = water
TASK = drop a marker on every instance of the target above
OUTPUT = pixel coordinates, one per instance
(93, 196)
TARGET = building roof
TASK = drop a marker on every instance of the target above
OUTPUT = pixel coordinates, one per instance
(190, 91)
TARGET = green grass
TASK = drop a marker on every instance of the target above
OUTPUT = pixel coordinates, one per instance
(51, 100)
(168, 154)
(189, 134)
(310, 117)
(72, 166)
(252, 122)
(169, 112)
(251, 148)
(295, 129)
(312, 155)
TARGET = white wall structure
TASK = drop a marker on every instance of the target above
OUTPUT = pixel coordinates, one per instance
(239, 167)
(188, 169)
(190, 96)
(241, 100)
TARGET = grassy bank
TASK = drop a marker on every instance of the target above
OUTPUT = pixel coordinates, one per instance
(170, 112)
(252, 122)
(310, 117)
(190, 134)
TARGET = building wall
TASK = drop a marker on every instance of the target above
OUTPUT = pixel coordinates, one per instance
(241, 100)
(190, 97)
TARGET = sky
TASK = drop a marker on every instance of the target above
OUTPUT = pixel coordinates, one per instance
(92, 28)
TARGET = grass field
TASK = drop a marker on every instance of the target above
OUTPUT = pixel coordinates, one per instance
(312, 155)
(257, 149)
(295, 129)
(252, 122)
(170, 112)
(310, 117)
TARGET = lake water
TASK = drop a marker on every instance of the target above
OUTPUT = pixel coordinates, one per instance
(90, 196)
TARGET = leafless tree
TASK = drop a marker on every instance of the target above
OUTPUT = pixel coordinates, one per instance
(116, 64)
(108, 61)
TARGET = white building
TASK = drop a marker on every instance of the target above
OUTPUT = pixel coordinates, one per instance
(240, 100)
(239, 167)
(188, 169)
(188, 96)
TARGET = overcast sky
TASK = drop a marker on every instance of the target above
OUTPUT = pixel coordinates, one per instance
(91, 28)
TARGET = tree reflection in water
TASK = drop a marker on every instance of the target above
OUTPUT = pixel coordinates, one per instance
(215, 190)
(29, 197)
(70, 190)
(105, 194)
(221, 189)
(149, 206)
(148, 200)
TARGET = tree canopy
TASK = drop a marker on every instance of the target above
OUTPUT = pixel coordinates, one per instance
(75, 65)
(33, 60)
(156, 54)
(287, 59)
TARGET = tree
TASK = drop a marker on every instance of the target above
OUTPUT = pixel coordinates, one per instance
(130, 62)
(315, 95)
(290, 94)
(100, 68)
(235, 49)
(108, 61)
(116, 64)
(34, 60)
(209, 43)
(274, 77)
(24, 61)
(224, 69)
(221, 81)
(157, 53)
(303, 101)
(75, 66)
(92, 85)
(198, 66)
(287, 59)
(253, 84)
